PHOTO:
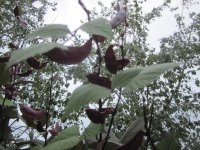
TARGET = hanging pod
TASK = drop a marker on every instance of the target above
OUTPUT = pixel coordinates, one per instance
(71, 55)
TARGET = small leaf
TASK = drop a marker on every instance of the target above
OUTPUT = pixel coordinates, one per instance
(84, 95)
(64, 144)
(134, 78)
(168, 142)
(31, 51)
(51, 30)
(5, 76)
(67, 134)
(134, 128)
(98, 26)
(92, 130)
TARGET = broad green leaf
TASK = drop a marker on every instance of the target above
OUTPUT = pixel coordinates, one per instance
(92, 130)
(35, 142)
(134, 78)
(167, 143)
(63, 144)
(36, 148)
(113, 141)
(98, 26)
(31, 51)
(84, 95)
(6, 102)
(134, 128)
(2, 148)
(4, 74)
(124, 78)
(67, 133)
(51, 30)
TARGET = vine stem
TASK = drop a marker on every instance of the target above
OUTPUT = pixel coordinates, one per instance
(146, 125)
(85, 9)
(49, 103)
(112, 119)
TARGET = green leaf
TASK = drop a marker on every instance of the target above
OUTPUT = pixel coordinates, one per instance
(92, 130)
(2, 148)
(63, 144)
(36, 148)
(31, 51)
(84, 95)
(134, 78)
(67, 133)
(134, 128)
(124, 78)
(98, 26)
(6, 102)
(51, 30)
(10, 112)
(4, 75)
(35, 142)
(167, 143)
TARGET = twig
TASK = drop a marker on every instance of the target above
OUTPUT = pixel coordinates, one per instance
(98, 64)
(112, 120)
(85, 9)
(179, 82)
(146, 125)
(22, 133)
(150, 123)
(50, 102)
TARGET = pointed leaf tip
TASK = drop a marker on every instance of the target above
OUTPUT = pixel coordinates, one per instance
(134, 78)
(51, 30)
(98, 26)
(84, 95)
(33, 50)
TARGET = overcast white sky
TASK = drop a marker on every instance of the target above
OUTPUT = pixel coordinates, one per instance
(69, 12)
